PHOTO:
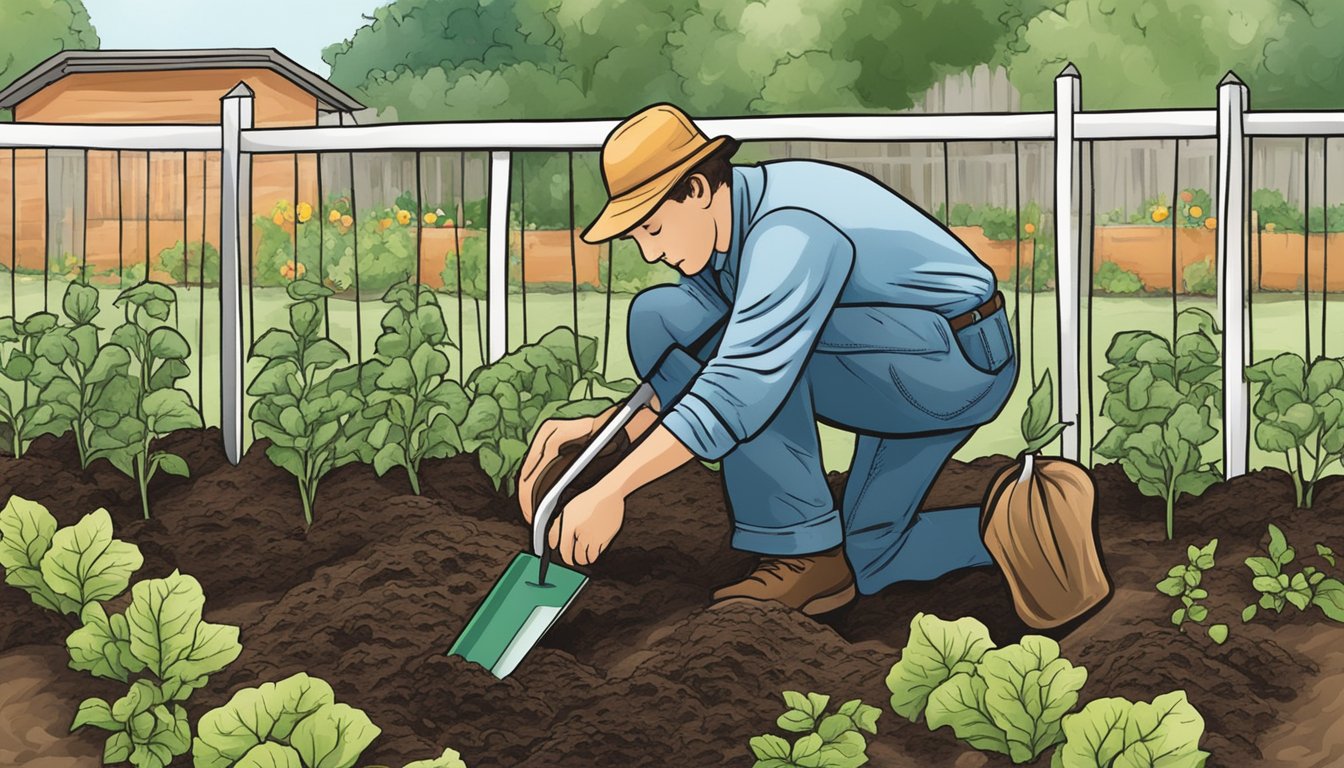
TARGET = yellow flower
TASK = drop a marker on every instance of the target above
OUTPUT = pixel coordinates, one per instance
(334, 216)
(1196, 211)
(431, 217)
(1160, 213)
(1269, 227)
(1210, 223)
(279, 219)
(305, 212)
(403, 217)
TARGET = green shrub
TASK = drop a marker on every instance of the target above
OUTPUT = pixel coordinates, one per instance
(829, 740)
(630, 272)
(1113, 278)
(191, 271)
(24, 414)
(473, 269)
(1163, 404)
(1184, 582)
(1276, 214)
(1194, 208)
(1301, 415)
(1201, 278)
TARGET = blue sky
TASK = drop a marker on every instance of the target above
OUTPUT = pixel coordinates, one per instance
(300, 30)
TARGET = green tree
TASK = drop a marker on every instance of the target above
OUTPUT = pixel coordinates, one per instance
(34, 30)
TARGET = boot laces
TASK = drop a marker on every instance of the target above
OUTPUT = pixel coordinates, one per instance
(776, 566)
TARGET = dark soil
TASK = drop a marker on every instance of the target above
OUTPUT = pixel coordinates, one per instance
(642, 671)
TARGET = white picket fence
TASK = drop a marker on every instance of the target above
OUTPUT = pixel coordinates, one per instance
(1067, 127)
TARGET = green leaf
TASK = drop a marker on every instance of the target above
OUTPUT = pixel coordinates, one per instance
(1040, 407)
(38, 323)
(1029, 688)
(1218, 633)
(1248, 613)
(806, 747)
(1325, 553)
(118, 748)
(1198, 613)
(324, 353)
(389, 456)
(428, 363)
(305, 318)
(270, 755)
(167, 632)
(449, 759)
(769, 746)
(97, 713)
(1329, 598)
(398, 375)
(26, 533)
(960, 703)
(169, 410)
(111, 361)
(1115, 732)
(300, 290)
(1326, 374)
(1262, 566)
(1171, 586)
(255, 715)
(935, 651)
(1046, 438)
(86, 564)
(1178, 616)
(102, 646)
(1278, 546)
(276, 344)
(167, 344)
(334, 736)
(172, 464)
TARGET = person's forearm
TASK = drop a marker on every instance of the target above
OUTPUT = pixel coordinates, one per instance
(659, 454)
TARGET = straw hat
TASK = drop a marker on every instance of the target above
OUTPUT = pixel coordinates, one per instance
(642, 160)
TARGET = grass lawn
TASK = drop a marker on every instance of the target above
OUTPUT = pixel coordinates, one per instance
(1278, 325)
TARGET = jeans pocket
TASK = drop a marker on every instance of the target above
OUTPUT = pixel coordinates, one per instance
(988, 344)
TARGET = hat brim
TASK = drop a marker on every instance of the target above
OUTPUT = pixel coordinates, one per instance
(624, 213)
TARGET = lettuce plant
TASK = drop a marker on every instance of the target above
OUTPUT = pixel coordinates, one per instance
(294, 723)
(162, 635)
(308, 411)
(413, 406)
(1164, 402)
(1118, 732)
(146, 404)
(1009, 700)
(1279, 588)
(67, 570)
(26, 416)
(1183, 582)
(85, 378)
(1301, 413)
(830, 740)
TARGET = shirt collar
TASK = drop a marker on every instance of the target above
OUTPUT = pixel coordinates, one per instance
(748, 183)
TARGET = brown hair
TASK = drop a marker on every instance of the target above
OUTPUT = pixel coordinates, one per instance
(717, 168)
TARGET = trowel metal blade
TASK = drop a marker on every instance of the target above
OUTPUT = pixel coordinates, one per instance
(516, 614)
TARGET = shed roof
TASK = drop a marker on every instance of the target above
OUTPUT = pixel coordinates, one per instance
(329, 97)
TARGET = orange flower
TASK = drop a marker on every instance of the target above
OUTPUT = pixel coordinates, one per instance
(447, 223)
(346, 220)
(1210, 223)
(384, 224)
(1187, 197)
(1029, 228)
(292, 271)
(279, 219)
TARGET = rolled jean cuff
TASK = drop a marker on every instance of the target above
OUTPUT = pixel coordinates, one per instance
(809, 538)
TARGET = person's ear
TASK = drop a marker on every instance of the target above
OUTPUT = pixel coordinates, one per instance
(700, 191)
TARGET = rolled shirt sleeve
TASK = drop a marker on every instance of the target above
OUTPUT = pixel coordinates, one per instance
(792, 267)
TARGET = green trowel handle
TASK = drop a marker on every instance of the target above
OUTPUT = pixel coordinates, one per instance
(541, 517)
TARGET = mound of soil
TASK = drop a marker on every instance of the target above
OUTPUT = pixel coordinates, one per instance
(641, 670)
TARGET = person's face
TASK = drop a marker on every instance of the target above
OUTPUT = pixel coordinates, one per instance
(681, 233)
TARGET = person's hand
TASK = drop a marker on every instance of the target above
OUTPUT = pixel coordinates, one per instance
(587, 526)
(552, 434)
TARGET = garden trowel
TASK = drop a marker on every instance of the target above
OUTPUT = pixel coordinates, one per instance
(533, 592)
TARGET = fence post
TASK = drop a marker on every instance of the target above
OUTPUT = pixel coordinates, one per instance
(1233, 100)
(497, 266)
(235, 182)
(1068, 99)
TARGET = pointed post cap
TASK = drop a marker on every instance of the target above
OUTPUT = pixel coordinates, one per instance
(1231, 79)
(239, 91)
(1068, 71)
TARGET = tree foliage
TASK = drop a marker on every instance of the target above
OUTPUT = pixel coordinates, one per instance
(34, 30)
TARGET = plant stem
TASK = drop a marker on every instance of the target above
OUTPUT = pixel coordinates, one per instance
(143, 482)
(306, 493)
(1171, 507)
(412, 472)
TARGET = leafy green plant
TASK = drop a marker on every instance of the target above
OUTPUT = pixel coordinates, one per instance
(308, 411)
(1301, 413)
(295, 722)
(84, 378)
(1116, 732)
(26, 416)
(1275, 213)
(146, 404)
(1201, 279)
(512, 396)
(1184, 582)
(66, 570)
(1008, 700)
(414, 406)
(1278, 588)
(1038, 427)
(1194, 209)
(1163, 404)
(829, 740)
(1113, 278)
(473, 268)
(190, 270)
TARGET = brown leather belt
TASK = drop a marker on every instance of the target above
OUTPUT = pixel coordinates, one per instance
(994, 304)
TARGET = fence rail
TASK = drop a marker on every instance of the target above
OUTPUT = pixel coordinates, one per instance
(1068, 127)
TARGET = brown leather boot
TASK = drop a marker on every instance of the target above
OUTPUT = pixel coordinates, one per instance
(813, 584)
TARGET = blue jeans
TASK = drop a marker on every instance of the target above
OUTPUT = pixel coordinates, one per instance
(911, 388)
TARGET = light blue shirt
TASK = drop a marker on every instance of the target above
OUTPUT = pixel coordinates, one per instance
(807, 237)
